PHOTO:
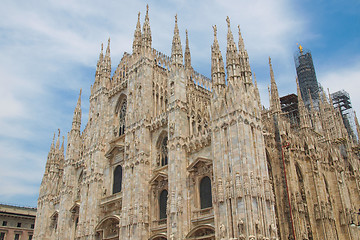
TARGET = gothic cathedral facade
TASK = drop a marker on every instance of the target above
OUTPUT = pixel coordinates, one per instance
(169, 154)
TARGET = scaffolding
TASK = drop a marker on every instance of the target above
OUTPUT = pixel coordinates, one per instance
(306, 75)
(341, 100)
(289, 106)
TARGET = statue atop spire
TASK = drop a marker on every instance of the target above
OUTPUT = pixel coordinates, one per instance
(228, 21)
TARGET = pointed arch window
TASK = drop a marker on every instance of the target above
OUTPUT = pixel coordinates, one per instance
(122, 116)
(205, 193)
(117, 179)
(164, 152)
(163, 198)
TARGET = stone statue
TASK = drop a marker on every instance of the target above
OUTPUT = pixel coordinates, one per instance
(241, 229)
(222, 232)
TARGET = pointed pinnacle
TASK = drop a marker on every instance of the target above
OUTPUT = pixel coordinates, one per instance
(215, 32)
(53, 142)
(324, 96)
(187, 52)
(330, 98)
(62, 145)
(176, 50)
(311, 101)
(108, 48)
(241, 41)
(300, 100)
(101, 55)
(58, 140)
(298, 87)
(272, 78)
(79, 99)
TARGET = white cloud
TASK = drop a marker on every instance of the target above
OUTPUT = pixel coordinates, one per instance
(347, 78)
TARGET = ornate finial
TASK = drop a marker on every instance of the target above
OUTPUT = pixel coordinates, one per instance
(300, 48)
(239, 29)
(102, 47)
(80, 91)
(58, 132)
(269, 60)
(176, 18)
(147, 8)
(109, 41)
(215, 30)
(186, 31)
(139, 16)
(228, 21)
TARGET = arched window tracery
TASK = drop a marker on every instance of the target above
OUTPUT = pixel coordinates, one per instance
(164, 152)
(205, 193)
(122, 116)
(163, 198)
(117, 179)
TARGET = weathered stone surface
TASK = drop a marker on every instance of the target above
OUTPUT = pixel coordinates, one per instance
(171, 130)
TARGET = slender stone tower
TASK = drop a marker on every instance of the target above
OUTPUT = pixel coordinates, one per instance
(244, 205)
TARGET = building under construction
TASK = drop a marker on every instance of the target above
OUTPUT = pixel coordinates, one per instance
(306, 75)
(341, 99)
(289, 106)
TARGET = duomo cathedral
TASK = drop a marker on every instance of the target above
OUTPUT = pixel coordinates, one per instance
(168, 153)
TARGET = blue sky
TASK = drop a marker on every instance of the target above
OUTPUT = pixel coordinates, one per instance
(49, 50)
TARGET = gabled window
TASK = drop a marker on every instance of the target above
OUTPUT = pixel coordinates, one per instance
(162, 204)
(205, 193)
(117, 179)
